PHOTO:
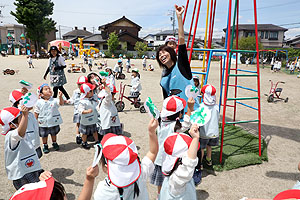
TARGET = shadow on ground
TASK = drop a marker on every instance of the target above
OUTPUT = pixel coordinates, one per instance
(202, 194)
(61, 175)
(283, 175)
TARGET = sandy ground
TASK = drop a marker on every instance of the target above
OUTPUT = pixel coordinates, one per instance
(279, 127)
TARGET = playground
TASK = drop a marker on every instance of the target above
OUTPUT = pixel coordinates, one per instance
(280, 130)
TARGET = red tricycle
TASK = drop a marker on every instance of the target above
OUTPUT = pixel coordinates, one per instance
(135, 100)
(276, 92)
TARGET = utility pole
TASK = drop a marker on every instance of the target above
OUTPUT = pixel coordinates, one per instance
(59, 32)
(172, 14)
(1, 16)
(93, 30)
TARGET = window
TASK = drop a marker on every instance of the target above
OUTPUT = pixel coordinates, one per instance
(266, 35)
(157, 37)
(11, 31)
(151, 42)
(262, 34)
(164, 37)
(105, 47)
(273, 35)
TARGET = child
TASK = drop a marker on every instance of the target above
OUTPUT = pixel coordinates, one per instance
(197, 81)
(89, 116)
(109, 118)
(95, 80)
(144, 62)
(172, 112)
(209, 133)
(117, 68)
(127, 178)
(171, 42)
(29, 60)
(128, 66)
(75, 100)
(21, 161)
(136, 86)
(179, 164)
(90, 62)
(110, 78)
(32, 131)
(151, 68)
(25, 86)
(48, 116)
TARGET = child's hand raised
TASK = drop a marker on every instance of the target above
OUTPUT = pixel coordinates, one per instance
(179, 10)
(194, 131)
(45, 175)
(92, 172)
(153, 124)
(191, 103)
(60, 94)
(24, 110)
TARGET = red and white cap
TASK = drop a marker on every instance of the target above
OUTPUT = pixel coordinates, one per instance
(82, 80)
(172, 104)
(170, 39)
(122, 160)
(7, 115)
(209, 94)
(39, 190)
(15, 95)
(86, 88)
(175, 146)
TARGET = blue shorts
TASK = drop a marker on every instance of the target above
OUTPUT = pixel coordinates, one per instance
(209, 142)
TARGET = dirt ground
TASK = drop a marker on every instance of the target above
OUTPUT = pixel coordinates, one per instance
(280, 128)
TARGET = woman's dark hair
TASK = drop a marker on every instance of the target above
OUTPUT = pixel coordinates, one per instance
(178, 162)
(16, 104)
(170, 51)
(175, 117)
(58, 192)
(89, 76)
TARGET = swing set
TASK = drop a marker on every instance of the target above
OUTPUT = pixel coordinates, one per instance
(227, 54)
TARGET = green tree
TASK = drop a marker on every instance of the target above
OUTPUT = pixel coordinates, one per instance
(248, 43)
(34, 14)
(113, 42)
(141, 48)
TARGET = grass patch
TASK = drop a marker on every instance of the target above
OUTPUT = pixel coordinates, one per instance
(240, 149)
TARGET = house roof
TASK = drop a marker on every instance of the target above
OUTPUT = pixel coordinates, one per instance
(292, 40)
(131, 35)
(260, 27)
(118, 20)
(78, 32)
(93, 38)
(169, 32)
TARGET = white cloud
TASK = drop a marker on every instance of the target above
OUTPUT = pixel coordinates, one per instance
(250, 21)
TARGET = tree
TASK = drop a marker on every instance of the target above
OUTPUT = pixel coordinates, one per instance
(113, 42)
(34, 14)
(141, 48)
(248, 43)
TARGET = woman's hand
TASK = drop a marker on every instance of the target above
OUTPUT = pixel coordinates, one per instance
(179, 10)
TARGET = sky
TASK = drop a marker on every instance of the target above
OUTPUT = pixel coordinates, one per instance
(153, 16)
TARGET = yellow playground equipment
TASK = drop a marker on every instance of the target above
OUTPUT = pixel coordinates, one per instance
(90, 52)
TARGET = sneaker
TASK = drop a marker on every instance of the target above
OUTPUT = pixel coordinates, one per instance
(197, 177)
(55, 146)
(46, 149)
(85, 145)
(208, 162)
(78, 139)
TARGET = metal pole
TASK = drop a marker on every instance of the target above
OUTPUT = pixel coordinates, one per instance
(192, 22)
(236, 59)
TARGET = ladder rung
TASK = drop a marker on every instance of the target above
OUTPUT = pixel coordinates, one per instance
(243, 70)
(196, 67)
(246, 88)
(243, 51)
(242, 98)
(242, 75)
(243, 104)
(203, 73)
(228, 105)
(241, 122)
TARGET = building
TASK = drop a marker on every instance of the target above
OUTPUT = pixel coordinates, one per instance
(73, 35)
(158, 39)
(270, 35)
(294, 42)
(126, 30)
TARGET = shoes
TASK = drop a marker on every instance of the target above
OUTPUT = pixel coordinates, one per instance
(197, 176)
(55, 146)
(208, 162)
(85, 145)
(78, 139)
(46, 149)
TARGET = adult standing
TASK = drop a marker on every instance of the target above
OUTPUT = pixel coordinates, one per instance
(177, 73)
(57, 75)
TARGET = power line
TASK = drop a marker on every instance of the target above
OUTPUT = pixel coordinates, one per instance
(289, 24)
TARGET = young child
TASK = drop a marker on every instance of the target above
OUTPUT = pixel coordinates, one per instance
(21, 161)
(136, 86)
(75, 100)
(128, 66)
(172, 112)
(171, 42)
(144, 62)
(89, 116)
(48, 116)
(209, 133)
(90, 62)
(29, 61)
(117, 68)
(109, 117)
(110, 78)
(179, 165)
(95, 80)
(197, 81)
(32, 131)
(127, 177)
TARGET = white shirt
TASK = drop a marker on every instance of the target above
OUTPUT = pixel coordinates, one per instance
(60, 60)
(75, 100)
(86, 104)
(117, 68)
(29, 60)
(111, 79)
(105, 190)
(144, 61)
(136, 84)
